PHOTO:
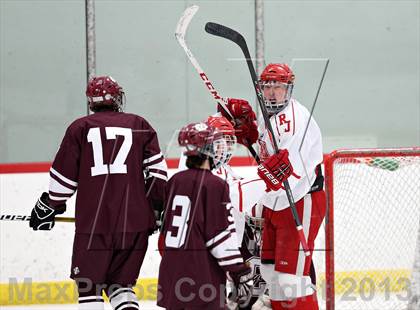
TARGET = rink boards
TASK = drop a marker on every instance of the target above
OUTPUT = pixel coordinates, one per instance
(35, 266)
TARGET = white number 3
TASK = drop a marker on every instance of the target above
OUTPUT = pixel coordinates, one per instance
(118, 166)
(177, 240)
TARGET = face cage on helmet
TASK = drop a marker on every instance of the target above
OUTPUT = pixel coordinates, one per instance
(255, 222)
(254, 232)
(230, 147)
(274, 107)
(221, 153)
(120, 102)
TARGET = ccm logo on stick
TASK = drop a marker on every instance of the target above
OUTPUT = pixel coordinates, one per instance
(210, 86)
(267, 173)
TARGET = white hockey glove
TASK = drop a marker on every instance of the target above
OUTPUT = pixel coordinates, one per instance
(262, 303)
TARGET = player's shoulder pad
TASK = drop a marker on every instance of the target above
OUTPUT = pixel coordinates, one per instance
(300, 108)
(77, 126)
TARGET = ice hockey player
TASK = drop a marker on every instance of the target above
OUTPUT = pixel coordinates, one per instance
(243, 192)
(242, 195)
(200, 241)
(114, 162)
(284, 265)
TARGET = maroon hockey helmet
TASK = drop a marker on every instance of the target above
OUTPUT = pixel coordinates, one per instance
(199, 139)
(104, 91)
(276, 82)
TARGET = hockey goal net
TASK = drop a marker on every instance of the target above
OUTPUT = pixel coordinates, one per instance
(372, 230)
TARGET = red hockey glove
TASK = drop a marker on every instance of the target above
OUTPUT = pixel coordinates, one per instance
(244, 118)
(241, 109)
(275, 169)
(246, 134)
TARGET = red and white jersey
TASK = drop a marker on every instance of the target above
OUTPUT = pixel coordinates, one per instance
(305, 150)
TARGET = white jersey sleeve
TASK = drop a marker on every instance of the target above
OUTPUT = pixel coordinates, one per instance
(305, 155)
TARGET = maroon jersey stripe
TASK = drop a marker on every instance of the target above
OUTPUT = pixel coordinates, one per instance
(60, 194)
(159, 172)
(154, 162)
(219, 241)
(226, 258)
(53, 176)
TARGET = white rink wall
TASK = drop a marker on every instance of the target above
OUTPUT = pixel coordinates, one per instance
(46, 256)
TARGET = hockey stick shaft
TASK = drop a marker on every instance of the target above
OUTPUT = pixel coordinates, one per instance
(236, 37)
(180, 32)
(14, 217)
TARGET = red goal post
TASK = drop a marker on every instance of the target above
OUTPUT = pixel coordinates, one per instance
(373, 203)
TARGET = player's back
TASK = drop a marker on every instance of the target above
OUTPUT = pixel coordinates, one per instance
(196, 212)
(105, 152)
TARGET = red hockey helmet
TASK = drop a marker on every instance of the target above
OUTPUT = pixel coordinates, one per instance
(104, 91)
(276, 82)
(222, 125)
(278, 72)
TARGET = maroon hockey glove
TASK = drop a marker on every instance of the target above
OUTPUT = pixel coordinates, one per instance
(242, 277)
(244, 120)
(275, 169)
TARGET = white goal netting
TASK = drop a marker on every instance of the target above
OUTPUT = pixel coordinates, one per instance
(374, 201)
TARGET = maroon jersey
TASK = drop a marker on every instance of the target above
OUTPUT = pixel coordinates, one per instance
(110, 158)
(200, 240)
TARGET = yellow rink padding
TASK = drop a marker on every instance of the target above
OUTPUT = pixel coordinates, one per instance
(63, 292)
(364, 282)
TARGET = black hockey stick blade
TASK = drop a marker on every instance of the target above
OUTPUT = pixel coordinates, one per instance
(234, 36)
(225, 32)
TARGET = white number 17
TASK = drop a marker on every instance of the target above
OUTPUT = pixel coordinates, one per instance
(118, 166)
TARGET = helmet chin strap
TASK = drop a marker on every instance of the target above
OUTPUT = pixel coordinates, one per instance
(279, 107)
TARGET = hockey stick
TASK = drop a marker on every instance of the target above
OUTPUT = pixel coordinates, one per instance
(13, 217)
(181, 29)
(236, 37)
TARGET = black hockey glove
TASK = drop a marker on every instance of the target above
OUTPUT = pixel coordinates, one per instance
(242, 278)
(42, 215)
(158, 212)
